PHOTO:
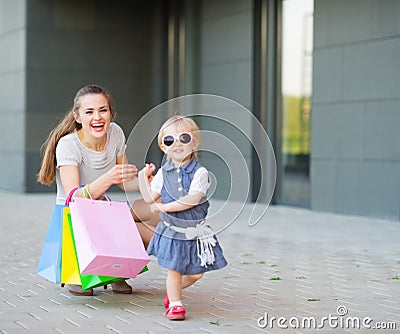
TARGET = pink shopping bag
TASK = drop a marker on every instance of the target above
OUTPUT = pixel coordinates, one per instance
(107, 240)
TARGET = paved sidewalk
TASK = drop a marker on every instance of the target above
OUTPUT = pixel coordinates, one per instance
(295, 265)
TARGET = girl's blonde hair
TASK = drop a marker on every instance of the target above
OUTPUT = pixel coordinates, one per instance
(67, 125)
(181, 124)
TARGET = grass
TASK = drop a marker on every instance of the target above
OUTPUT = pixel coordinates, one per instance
(275, 278)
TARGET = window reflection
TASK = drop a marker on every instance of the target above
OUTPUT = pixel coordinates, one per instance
(297, 37)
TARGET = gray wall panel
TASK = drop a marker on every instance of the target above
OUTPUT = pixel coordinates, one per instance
(380, 191)
(348, 197)
(13, 178)
(230, 30)
(12, 94)
(324, 129)
(349, 133)
(13, 138)
(371, 188)
(341, 22)
(385, 19)
(230, 80)
(12, 16)
(12, 46)
(323, 183)
(382, 133)
(211, 9)
(335, 133)
(371, 70)
(226, 54)
(352, 37)
(328, 66)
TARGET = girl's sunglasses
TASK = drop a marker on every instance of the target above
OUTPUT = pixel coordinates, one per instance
(185, 138)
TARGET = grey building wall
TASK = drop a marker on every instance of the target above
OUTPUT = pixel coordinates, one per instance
(50, 48)
(355, 160)
(12, 94)
(73, 43)
(225, 68)
(227, 49)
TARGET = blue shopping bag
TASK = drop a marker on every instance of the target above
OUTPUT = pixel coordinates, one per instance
(49, 265)
(50, 259)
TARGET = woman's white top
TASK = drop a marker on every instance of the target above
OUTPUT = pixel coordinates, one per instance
(70, 151)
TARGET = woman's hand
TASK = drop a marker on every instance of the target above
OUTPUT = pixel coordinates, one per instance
(122, 173)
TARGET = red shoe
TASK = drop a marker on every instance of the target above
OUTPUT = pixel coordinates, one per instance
(176, 313)
(166, 301)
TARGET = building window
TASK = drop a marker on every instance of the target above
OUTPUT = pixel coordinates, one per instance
(297, 45)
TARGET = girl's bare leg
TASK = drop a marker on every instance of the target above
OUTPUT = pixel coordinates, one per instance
(174, 285)
(188, 280)
(146, 221)
(176, 282)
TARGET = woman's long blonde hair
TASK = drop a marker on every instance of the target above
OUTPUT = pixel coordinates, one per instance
(67, 125)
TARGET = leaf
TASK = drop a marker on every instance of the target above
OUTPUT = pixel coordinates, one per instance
(313, 299)
(275, 278)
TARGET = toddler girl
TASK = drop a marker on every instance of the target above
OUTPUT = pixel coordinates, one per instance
(183, 242)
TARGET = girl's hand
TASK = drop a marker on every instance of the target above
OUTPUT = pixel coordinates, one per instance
(122, 173)
(156, 208)
(148, 169)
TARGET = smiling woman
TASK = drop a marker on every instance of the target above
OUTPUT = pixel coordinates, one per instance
(88, 148)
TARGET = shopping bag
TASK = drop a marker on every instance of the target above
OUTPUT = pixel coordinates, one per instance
(49, 265)
(70, 273)
(107, 240)
(69, 270)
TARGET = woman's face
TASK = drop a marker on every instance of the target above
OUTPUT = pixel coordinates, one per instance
(94, 114)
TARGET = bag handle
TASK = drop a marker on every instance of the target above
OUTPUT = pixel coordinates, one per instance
(87, 194)
(69, 197)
